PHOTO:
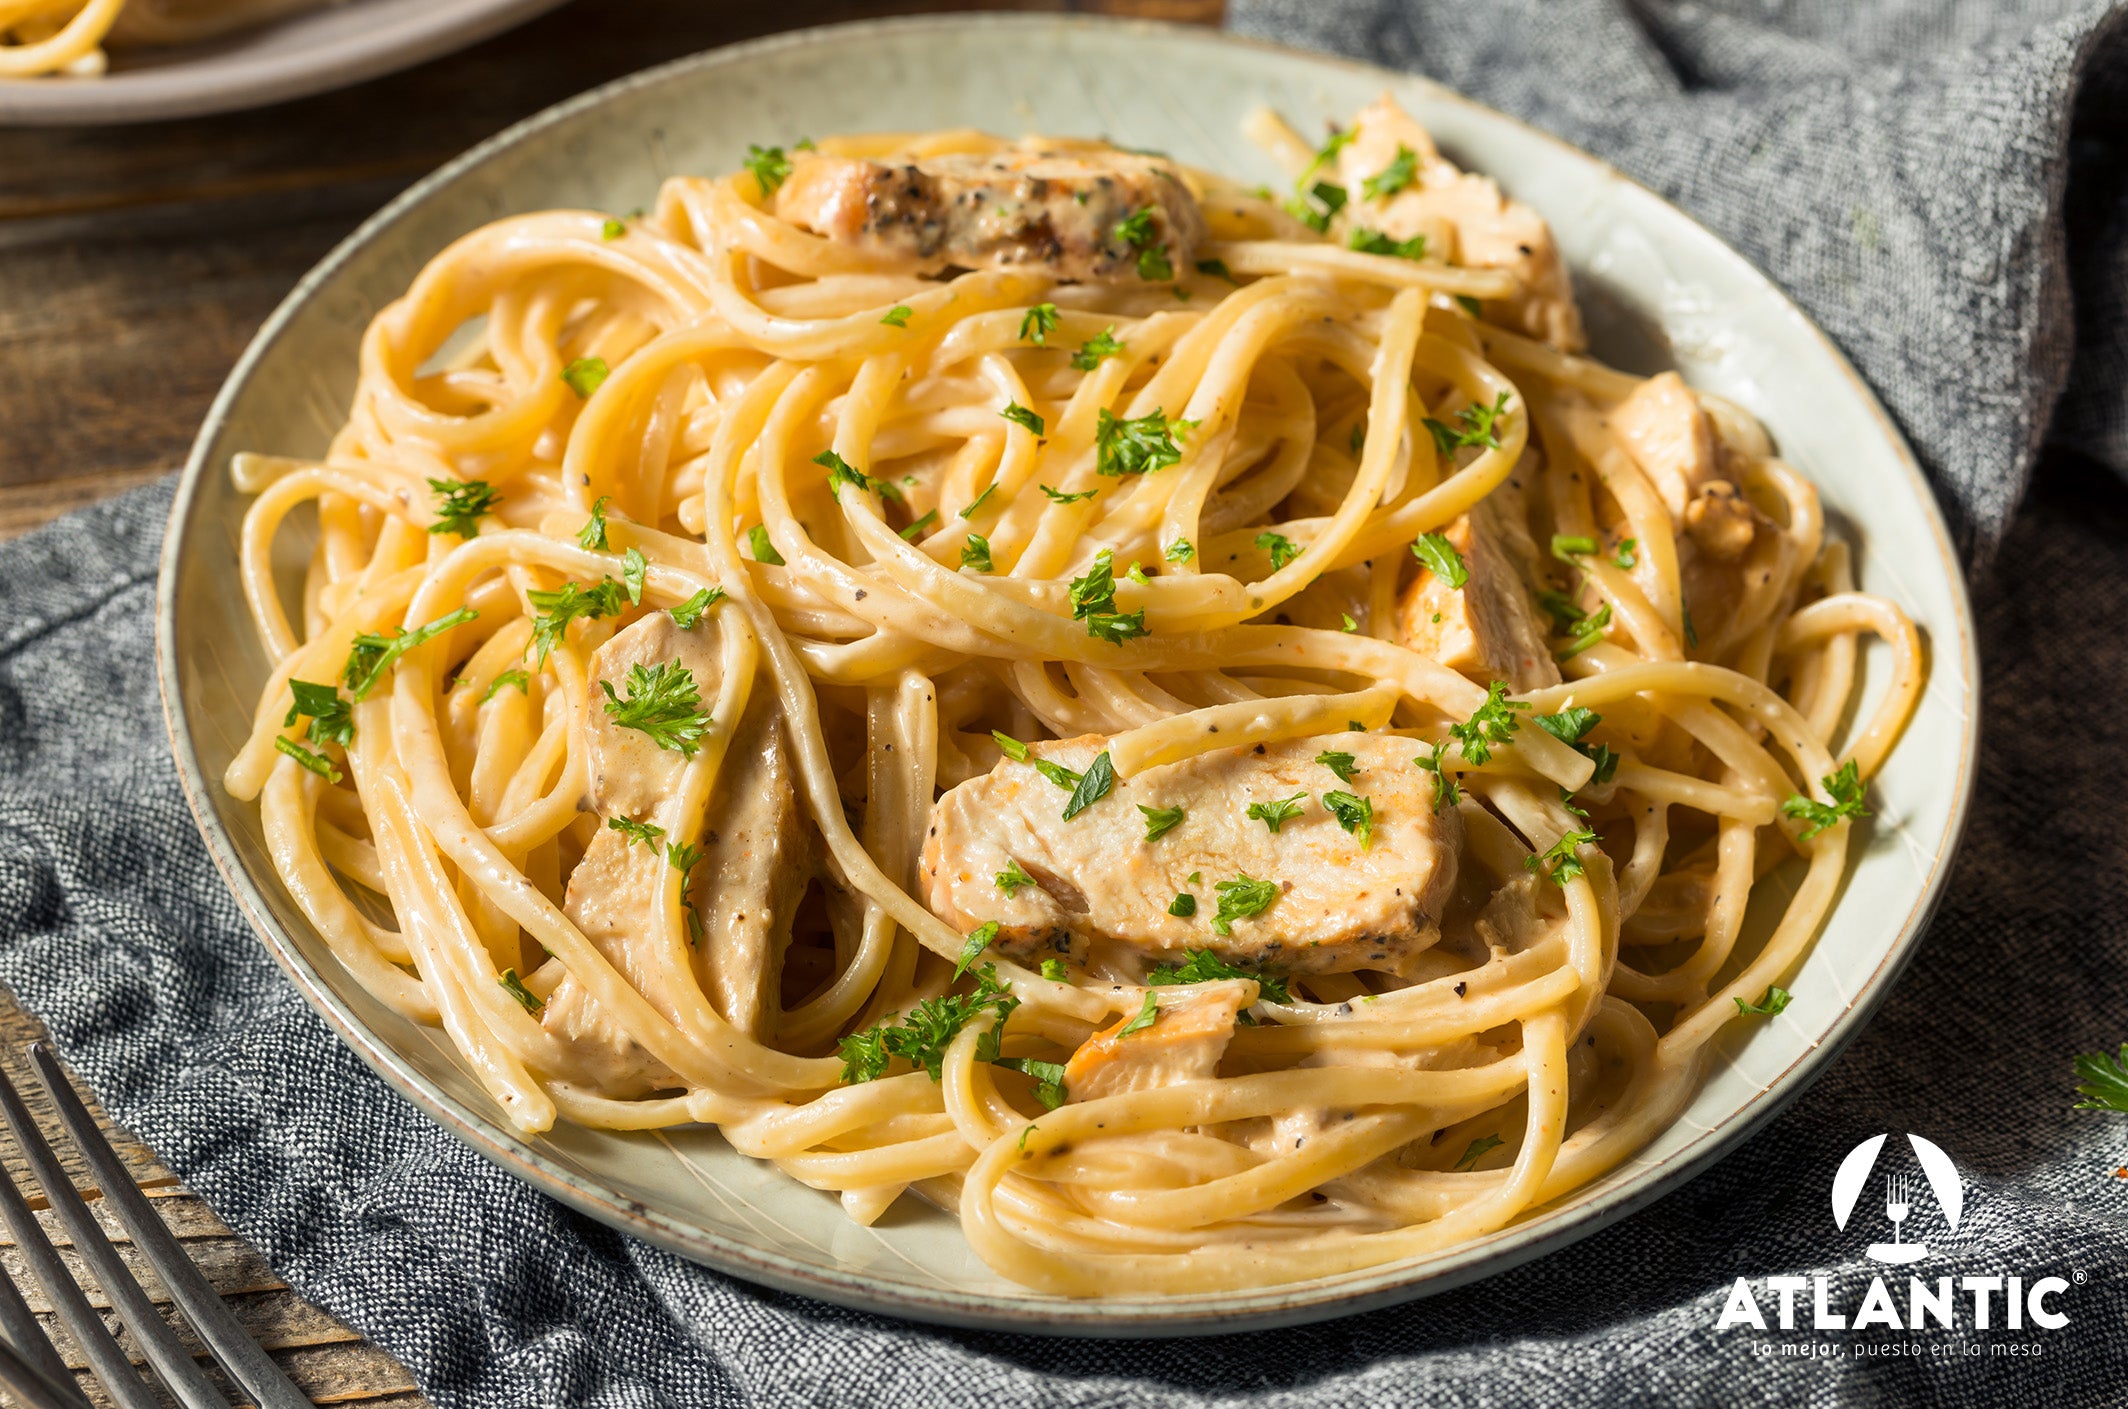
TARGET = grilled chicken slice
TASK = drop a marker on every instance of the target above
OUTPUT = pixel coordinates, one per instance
(1486, 629)
(1184, 1042)
(756, 858)
(1465, 220)
(1064, 213)
(1096, 880)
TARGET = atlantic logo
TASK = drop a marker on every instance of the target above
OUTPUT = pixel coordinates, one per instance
(1903, 1195)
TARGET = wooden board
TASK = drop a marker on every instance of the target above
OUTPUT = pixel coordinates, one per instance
(135, 263)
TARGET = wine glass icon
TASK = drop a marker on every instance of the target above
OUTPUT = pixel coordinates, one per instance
(1898, 1203)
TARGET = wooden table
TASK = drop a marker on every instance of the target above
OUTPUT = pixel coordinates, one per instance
(134, 265)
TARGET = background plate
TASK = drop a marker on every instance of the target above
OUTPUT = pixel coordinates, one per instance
(307, 53)
(1659, 289)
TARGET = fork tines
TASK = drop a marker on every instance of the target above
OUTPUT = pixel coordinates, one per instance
(29, 1366)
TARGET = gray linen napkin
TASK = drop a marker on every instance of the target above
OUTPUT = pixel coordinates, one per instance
(115, 928)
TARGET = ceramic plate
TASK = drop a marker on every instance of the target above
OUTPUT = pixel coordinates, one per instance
(307, 53)
(1659, 289)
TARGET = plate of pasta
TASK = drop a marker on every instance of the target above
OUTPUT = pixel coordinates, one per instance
(101, 61)
(1182, 688)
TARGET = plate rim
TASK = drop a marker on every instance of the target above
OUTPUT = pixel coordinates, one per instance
(182, 89)
(1581, 1214)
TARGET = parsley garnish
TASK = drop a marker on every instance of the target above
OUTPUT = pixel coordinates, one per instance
(463, 502)
(584, 375)
(1446, 793)
(841, 473)
(515, 987)
(374, 655)
(1058, 496)
(897, 316)
(1355, 814)
(1691, 634)
(1057, 773)
(1563, 861)
(1567, 547)
(1314, 206)
(1203, 966)
(922, 1034)
(2105, 1081)
(928, 519)
(690, 611)
(1181, 551)
(764, 547)
(1441, 558)
(1159, 821)
(1277, 813)
(1624, 558)
(1493, 722)
(1012, 878)
(769, 165)
(553, 611)
(612, 229)
(976, 553)
(1242, 898)
(1402, 170)
(1137, 232)
(1845, 788)
(1116, 627)
(332, 719)
(1053, 970)
(635, 571)
(1327, 153)
(1013, 748)
(662, 703)
(1475, 426)
(1280, 547)
(1020, 416)
(511, 678)
(317, 763)
(1375, 242)
(646, 833)
(978, 940)
(592, 536)
(1770, 1003)
(1478, 1149)
(1147, 1016)
(968, 509)
(1100, 776)
(1040, 322)
(1183, 906)
(1217, 269)
(1097, 349)
(1135, 447)
(1342, 764)
(1588, 631)
(1568, 726)
(1096, 590)
(684, 857)
(1048, 1079)
(1470, 305)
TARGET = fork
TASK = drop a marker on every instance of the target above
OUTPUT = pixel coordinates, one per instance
(1896, 1206)
(30, 1368)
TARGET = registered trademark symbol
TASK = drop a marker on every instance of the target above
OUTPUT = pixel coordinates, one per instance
(2079, 1278)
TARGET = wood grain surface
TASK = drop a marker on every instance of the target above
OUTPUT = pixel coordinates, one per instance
(135, 263)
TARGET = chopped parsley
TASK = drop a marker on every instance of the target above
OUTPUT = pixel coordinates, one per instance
(1093, 785)
(1183, 906)
(764, 547)
(1217, 269)
(1277, 813)
(1012, 879)
(1020, 416)
(1095, 591)
(1013, 748)
(1147, 1016)
(317, 763)
(1137, 232)
(1134, 447)
(976, 553)
(1441, 558)
(635, 572)
(840, 473)
(1375, 242)
(461, 504)
(1355, 814)
(1569, 726)
(1342, 764)
(1402, 170)
(1493, 722)
(1348, 623)
(928, 519)
(1624, 558)
(2104, 1083)
(1181, 551)
(769, 165)
(1476, 424)
(978, 940)
(1097, 349)
(1053, 970)
(553, 611)
(1446, 792)
(1040, 322)
(1115, 627)
(1470, 305)
(1048, 1079)
(646, 833)
(1567, 547)
(585, 375)
(690, 611)
(662, 702)
(592, 536)
(968, 510)
(1159, 821)
(374, 655)
(1478, 1149)
(332, 719)
(921, 1036)
(1281, 548)
(1340, 138)
(1587, 631)
(1316, 204)
(1845, 788)
(1242, 898)
(1770, 1003)
(612, 229)
(515, 987)
(1563, 862)
(1058, 496)
(512, 678)
(1691, 632)
(1203, 966)
(897, 316)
